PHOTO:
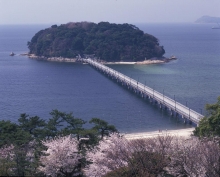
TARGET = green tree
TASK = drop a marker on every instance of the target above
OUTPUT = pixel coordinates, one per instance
(27, 133)
(210, 124)
(89, 139)
(54, 124)
(32, 125)
(74, 125)
(11, 133)
(102, 127)
(5, 167)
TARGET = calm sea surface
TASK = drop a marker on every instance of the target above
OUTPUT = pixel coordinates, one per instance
(37, 87)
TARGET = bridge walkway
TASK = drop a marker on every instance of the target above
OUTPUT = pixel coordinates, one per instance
(145, 91)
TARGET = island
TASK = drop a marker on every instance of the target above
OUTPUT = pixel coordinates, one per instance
(106, 41)
(208, 19)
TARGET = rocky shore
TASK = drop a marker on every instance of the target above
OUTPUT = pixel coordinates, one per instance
(62, 59)
(55, 59)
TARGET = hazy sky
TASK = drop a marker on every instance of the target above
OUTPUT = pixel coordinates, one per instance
(117, 11)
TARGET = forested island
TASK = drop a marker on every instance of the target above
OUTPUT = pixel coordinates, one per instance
(107, 41)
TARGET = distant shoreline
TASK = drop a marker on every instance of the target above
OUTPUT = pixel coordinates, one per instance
(73, 60)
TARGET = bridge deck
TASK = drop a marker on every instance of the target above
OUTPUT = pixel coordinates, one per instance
(173, 105)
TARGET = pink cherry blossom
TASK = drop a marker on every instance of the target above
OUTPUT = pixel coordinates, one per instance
(62, 156)
(7, 152)
(103, 157)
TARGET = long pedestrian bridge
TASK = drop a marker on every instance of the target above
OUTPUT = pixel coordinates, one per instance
(174, 107)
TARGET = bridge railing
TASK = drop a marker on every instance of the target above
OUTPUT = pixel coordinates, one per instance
(161, 98)
(174, 105)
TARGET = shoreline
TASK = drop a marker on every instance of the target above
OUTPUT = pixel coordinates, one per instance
(145, 62)
(74, 60)
(179, 132)
(53, 59)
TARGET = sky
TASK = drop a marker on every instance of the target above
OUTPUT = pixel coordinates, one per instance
(114, 11)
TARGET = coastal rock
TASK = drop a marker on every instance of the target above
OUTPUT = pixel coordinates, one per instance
(56, 59)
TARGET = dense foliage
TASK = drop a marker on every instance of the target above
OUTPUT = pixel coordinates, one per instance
(63, 157)
(210, 124)
(163, 156)
(62, 146)
(26, 147)
(110, 42)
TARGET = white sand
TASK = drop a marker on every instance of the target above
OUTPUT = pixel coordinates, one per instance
(120, 62)
(181, 132)
(145, 62)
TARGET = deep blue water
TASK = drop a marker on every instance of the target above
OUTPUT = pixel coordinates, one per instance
(37, 87)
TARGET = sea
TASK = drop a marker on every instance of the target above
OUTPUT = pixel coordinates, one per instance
(37, 87)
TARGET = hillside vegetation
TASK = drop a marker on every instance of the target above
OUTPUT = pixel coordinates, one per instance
(110, 42)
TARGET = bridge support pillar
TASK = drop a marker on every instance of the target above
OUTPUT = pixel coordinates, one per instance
(171, 112)
(150, 99)
(176, 114)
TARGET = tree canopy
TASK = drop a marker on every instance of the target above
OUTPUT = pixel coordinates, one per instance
(24, 144)
(110, 42)
(210, 124)
(63, 146)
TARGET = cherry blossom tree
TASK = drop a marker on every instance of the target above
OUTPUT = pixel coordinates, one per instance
(116, 156)
(62, 157)
(148, 157)
(162, 155)
(7, 152)
(109, 155)
(211, 157)
(6, 160)
(195, 157)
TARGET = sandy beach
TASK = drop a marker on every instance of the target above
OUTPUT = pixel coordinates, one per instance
(145, 62)
(181, 132)
(120, 63)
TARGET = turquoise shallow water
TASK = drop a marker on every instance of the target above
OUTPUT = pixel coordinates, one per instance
(37, 87)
